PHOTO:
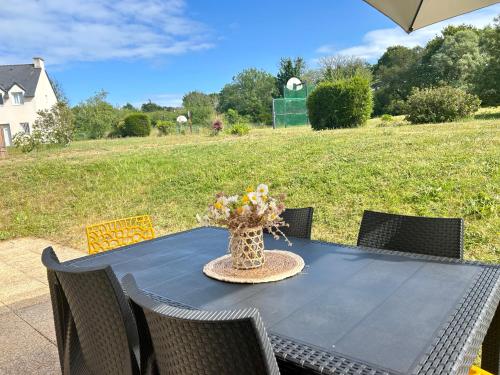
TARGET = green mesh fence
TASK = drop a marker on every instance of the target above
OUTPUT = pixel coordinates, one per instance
(291, 110)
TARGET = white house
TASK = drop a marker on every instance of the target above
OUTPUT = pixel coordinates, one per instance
(24, 90)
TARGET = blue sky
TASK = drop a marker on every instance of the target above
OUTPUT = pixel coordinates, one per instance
(161, 49)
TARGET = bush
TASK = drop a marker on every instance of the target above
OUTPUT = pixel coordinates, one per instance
(166, 127)
(232, 116)
(136, 125)
(344, 103)
(25, 142)
(266, 118)
(239, 129)
(54, 126)
(386, 118)
(440, 104)
(217, 126)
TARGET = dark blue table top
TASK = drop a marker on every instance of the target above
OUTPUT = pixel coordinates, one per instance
(381, 308)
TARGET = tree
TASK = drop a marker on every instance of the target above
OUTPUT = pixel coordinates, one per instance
(337, 67)
(129, 107)
(488, 78)
(394, 77)
(95, 117)
(459, 59)
(250, 94)
(58, 90)
(201, 107)
(289, 68)
(151, 107)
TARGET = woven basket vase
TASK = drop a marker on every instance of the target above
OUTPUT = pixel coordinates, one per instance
(247, 248)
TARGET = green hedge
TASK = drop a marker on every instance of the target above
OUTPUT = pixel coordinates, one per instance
(345, 103)
(166, 127)
(136, 125)
(440, 104)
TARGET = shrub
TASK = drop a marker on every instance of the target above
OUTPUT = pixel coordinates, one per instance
(344, 103)
(217, 126)
(232, 116)
(386, 118)
(25, 142)
(266, 118)
(166, 127)
(95, 117)
(136, 125)
(54, 126)
(239, 129)
(440, 104)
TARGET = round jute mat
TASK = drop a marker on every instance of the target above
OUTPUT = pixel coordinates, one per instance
(278, 265)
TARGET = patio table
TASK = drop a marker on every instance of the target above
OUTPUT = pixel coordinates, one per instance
(352, 310)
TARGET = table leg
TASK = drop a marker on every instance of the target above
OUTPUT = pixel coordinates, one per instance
(490, 359)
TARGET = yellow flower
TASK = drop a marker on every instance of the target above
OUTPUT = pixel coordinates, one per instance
(264, 198)
(249, 189)
(239, 210)
(245, 199)
(218, 205)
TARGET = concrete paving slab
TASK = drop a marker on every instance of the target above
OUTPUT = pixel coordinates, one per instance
(27, 337)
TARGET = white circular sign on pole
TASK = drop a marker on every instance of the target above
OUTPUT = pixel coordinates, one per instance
(182, 119)
(294, 84)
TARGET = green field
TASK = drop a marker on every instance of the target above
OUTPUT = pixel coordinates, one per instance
(450, 170)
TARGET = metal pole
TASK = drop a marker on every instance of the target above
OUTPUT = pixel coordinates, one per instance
(274, 116)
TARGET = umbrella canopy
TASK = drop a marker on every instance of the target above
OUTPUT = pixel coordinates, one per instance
(415, 14)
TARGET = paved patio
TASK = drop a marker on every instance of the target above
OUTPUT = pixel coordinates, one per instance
(27, 338)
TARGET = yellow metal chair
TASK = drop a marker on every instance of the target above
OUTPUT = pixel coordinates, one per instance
(474, 370)
(117, 233)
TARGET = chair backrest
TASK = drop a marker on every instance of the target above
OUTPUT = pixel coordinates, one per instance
(299, 221)
(208, 342)
(421, 235)
(104, 322)
(60, 310)
(117, 233)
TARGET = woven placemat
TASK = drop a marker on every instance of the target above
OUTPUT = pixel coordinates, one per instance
(278, 265)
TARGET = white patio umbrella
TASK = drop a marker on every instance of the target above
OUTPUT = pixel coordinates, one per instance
(415, 14)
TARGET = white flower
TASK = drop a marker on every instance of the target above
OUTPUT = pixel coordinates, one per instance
(203, 220)
(232, 199)
(246, 208)
(252, 197)
(262, 189)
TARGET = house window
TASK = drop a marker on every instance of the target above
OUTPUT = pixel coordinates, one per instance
(18, 98)
(26, 127)
(1, 98)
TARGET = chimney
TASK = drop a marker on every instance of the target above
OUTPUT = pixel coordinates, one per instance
(38, 63)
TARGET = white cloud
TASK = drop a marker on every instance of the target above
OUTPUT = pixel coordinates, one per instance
(166, 100)
(92, 30)
(375, 42)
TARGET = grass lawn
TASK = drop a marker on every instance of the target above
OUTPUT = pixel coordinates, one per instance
(450, 170)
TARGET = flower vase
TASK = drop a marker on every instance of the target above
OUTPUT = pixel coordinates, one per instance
(247, 248)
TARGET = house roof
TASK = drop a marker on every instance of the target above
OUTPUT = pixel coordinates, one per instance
(25, 76)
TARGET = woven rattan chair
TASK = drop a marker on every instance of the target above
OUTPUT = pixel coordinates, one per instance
(205, 342)
(422, 235)
(112, 234)
(299, 221)
(100, 335)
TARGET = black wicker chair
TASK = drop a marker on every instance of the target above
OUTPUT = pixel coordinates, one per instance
(299, 221)
(422, 235)
(95, 328)
(205, 342)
